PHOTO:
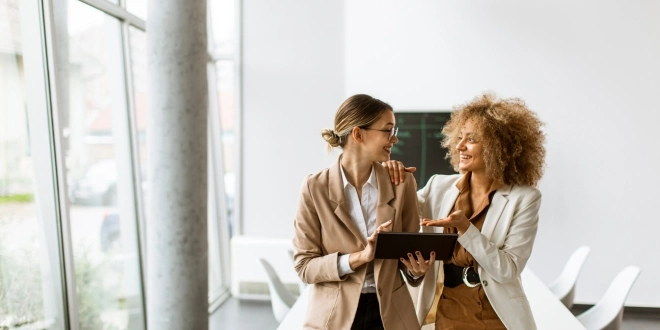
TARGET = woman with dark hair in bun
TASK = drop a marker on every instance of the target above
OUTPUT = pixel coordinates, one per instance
(340, 212)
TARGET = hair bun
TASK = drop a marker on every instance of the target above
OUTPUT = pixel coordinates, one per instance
(331, 137)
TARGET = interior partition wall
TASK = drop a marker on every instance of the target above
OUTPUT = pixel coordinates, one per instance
(73, 120)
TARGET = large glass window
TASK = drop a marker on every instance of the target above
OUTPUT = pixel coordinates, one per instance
(224, 51)
(138, 8)
(223, 27)
(225, 70)
(97, 155)
(138, 53)
(90, 222)
(222, 80)
(30, 294)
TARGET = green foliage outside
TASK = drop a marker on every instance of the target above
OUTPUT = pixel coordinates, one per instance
(21, 296)
(93, 296)
(17, 198)
(20, 288)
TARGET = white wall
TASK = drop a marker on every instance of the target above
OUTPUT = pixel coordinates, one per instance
(590, 69)
(293, 82)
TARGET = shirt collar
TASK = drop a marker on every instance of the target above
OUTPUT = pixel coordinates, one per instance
(464, 183)
(372, 177)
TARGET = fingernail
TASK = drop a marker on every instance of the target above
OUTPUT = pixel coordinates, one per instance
(401, 259)
(432, 253)
(409, 255)
(418, 253)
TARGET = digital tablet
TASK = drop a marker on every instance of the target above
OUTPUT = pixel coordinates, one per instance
(398, 245)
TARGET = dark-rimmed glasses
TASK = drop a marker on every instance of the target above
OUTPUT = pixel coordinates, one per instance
(392, 132)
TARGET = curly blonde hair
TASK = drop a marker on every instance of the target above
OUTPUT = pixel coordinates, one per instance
(511, 135)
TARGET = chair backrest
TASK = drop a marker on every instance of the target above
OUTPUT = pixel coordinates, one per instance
(281, 299)
(564, 286)
(608, 312)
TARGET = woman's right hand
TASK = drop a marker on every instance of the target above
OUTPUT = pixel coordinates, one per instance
(367, 255)
(397, 170)
(456, 220)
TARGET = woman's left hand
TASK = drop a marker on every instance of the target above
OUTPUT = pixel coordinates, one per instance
(418, 267)
(455, 220)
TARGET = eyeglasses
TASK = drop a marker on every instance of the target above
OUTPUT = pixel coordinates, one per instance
(392, 132)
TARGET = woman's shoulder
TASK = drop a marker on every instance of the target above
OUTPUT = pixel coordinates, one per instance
(318, 178)
(525, 191)
(443, 180)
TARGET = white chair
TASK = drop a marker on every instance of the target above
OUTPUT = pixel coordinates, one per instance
(607, 314)
(564, 286)
(301, 285)
(281, 300)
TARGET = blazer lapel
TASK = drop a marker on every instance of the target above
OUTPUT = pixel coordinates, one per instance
(336, 193)
(448, 201)
(495, 210)
(384, 211)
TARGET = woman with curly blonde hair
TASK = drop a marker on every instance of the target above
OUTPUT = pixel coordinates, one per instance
(497, 146)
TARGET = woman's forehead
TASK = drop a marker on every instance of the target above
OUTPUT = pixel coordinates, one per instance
(385, 118)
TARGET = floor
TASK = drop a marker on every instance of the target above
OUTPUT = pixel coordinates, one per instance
(237, 314)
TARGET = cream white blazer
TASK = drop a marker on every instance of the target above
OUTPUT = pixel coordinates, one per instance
(502, 248)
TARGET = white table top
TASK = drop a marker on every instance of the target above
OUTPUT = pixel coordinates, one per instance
(549, 313)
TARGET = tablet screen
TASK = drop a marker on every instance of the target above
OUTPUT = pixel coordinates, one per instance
(398, 245)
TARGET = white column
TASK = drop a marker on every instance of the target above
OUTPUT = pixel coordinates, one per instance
(177, 244)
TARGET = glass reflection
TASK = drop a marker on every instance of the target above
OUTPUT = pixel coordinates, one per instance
(223, 22)
(106, 257)
(28, 297)
(225, 73)
(137, 8)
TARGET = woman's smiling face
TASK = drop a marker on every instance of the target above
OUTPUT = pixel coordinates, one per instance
(470, 149)
(378, 145)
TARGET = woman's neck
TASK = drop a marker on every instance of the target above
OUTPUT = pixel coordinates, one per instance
(357, 169)
(480, 182)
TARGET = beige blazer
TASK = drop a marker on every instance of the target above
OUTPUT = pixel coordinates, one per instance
(324, 230)
(502, 248)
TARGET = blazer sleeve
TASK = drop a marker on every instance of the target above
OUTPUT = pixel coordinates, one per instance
(506, 263)
(311, 264)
